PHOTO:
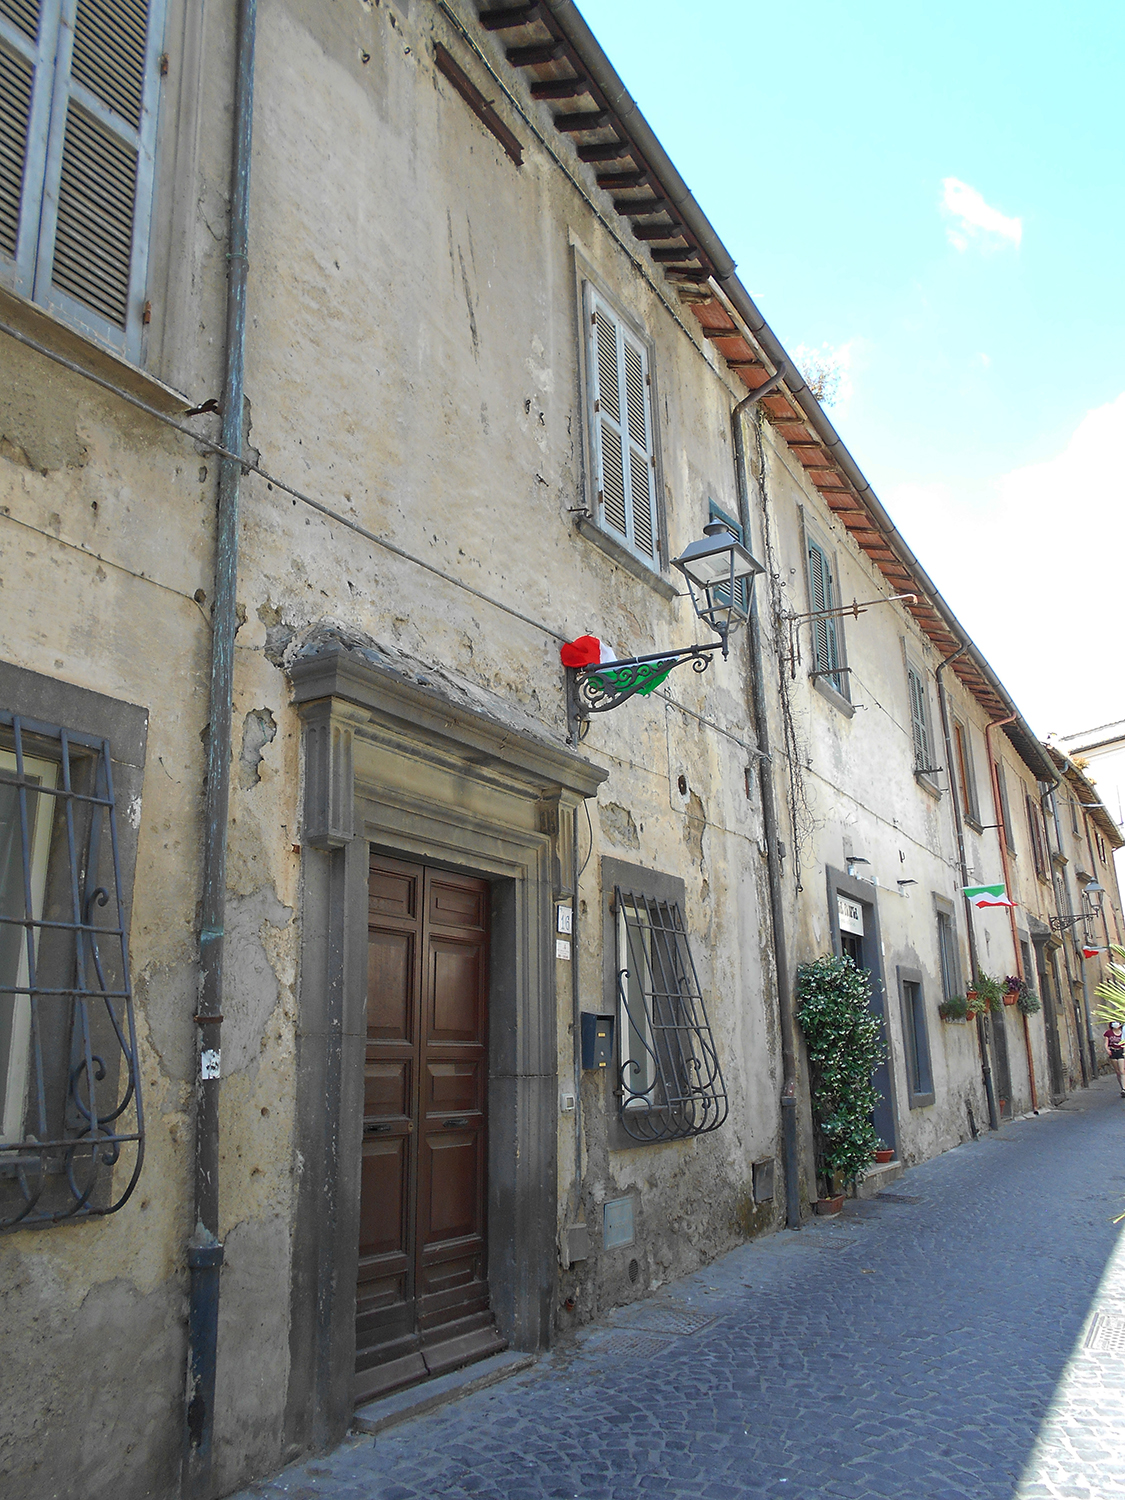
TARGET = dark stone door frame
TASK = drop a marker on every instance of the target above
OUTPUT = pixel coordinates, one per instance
(866, 893)
(395, 764)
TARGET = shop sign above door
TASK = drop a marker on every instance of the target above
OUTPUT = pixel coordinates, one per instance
(850, 915)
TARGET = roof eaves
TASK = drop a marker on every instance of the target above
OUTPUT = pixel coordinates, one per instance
(795, 394)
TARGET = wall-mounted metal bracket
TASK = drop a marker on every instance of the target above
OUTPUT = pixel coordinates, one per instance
(597, 689)
(1060, 924)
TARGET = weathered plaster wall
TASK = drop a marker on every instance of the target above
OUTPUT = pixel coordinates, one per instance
(860, 797)
(106, 531)
(431, 390)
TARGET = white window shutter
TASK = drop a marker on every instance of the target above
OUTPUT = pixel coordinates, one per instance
(623, 442)
(93, 234)
(28, 31)
(919, 720)
(642, 470)
(612, 497)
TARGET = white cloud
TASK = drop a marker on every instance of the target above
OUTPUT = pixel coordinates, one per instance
(976, 219)
(1027, 562)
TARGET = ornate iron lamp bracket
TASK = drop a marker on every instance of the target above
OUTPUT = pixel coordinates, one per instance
(1060, 924)
(597, 689)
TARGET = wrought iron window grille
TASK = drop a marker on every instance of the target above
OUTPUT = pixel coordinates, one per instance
(71, 1120)
(669, 1084)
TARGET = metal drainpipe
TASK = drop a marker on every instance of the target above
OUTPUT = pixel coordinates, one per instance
(959, 828)
(1058, 878)
(773, 862)
(1086, 821)
(1002, 838)
(204, 1250)
(576, 1008)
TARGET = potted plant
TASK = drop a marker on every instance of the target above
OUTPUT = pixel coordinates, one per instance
(956, 1008)
(1028, 1001)
(990, 992)
(884, 1155)
(1012, 986)
(845, 1045)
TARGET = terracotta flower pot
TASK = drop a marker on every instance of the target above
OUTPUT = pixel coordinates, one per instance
(828, 1206)
(1010, 997)
(884, 1155)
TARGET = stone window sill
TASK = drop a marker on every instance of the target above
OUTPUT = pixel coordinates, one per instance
(928, 784)
(626, 559)
(831, 695)
(33, 322)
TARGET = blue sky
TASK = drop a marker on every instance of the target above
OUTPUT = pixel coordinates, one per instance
(932, 196)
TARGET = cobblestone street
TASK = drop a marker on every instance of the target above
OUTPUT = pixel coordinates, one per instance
(960, 1336)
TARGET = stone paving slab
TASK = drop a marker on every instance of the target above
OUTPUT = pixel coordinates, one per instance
(962, 1338)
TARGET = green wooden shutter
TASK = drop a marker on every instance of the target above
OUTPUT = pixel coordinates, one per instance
(93, 232)
(826, 653)
(740, 591)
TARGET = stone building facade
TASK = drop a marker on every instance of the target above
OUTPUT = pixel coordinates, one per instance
(504, 1030)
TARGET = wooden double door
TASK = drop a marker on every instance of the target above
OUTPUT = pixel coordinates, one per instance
(422, 1301)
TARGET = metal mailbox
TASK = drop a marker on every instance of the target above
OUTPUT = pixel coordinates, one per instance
(597, 1040)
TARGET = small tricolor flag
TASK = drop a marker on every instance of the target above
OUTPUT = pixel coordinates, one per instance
(1092, 952)
(987, 895)
(586, 651)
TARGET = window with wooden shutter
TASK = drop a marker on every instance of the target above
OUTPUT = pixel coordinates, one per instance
(1005, 809)
(920, 723)
(624, 449)
(826, 642)
(741, 588)
(966, 772)
(79, 84)
(1038, 836)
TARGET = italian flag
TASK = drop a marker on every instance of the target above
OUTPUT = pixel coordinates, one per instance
(987, 895)
(588, 651)
(1092, 952)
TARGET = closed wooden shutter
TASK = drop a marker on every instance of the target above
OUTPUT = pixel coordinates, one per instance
(80, 85)
(623, 441)
(27, 43)
(822, 593)
(919, 721)
(16, 77)
(741, 599)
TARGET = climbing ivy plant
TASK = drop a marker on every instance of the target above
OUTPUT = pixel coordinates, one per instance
(845, 1046)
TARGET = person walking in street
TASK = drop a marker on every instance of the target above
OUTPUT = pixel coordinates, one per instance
(1115, 1046)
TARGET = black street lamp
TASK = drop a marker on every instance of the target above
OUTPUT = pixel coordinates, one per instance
(1069, 919)
(720, 573)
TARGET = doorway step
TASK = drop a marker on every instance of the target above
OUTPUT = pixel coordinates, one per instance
(878, 1178)
(388, 1411)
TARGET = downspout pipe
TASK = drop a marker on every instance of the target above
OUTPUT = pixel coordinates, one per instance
(959, 829)
(1003, 833)
(770, 828)
(204, 1248)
